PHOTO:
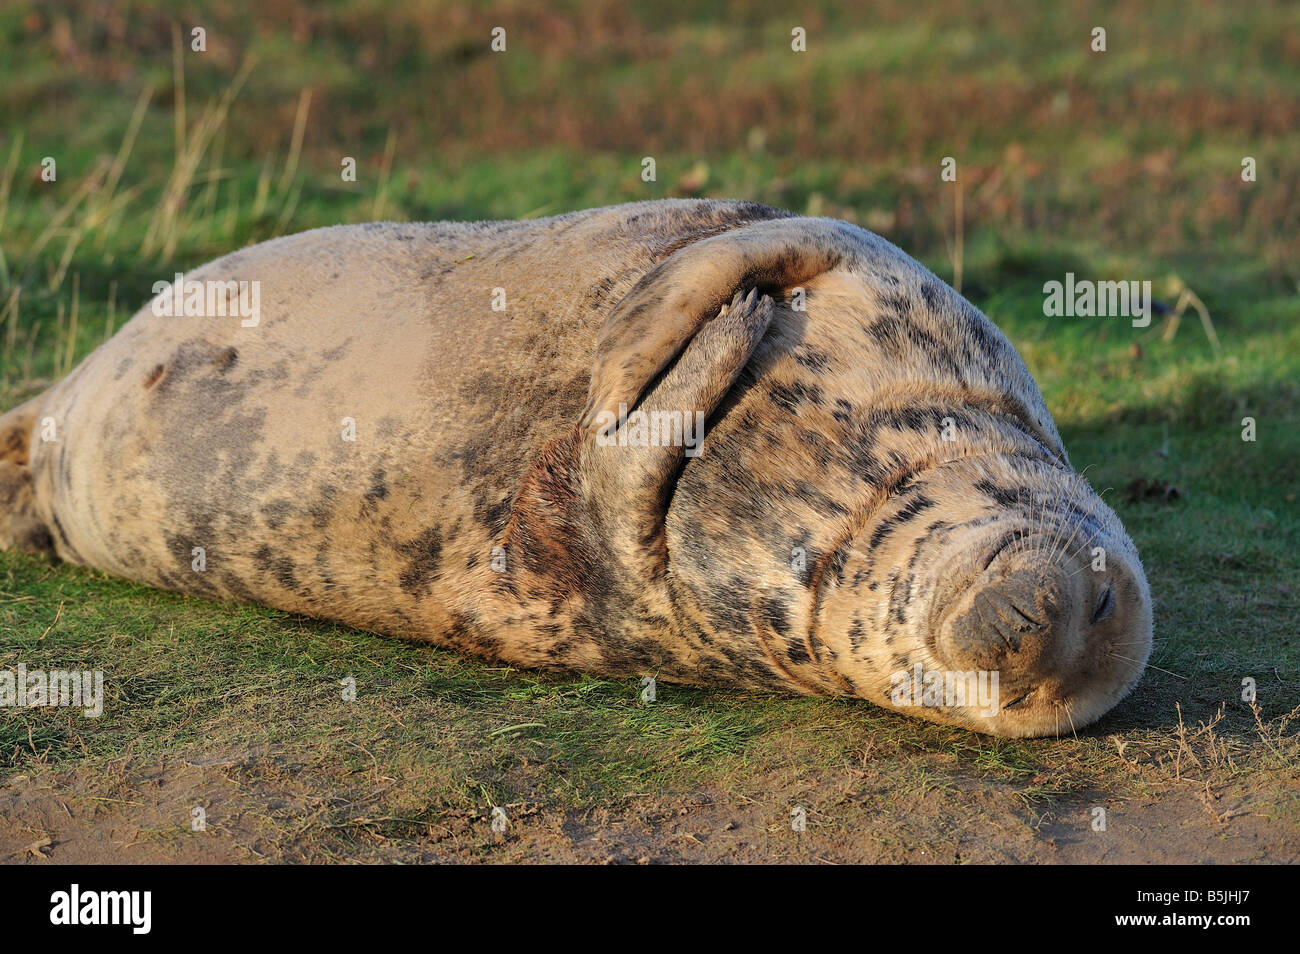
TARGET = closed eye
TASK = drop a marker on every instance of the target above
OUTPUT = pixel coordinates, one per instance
(1105, 606)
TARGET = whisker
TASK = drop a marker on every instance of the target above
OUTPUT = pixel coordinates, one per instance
(1088, 564)
(1065, 545)
(1149, 666)
(1073, 730)
(1058, 536)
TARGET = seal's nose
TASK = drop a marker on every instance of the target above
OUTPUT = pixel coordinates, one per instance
(1010, 623)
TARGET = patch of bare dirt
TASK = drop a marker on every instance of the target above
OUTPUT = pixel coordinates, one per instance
(257, 810)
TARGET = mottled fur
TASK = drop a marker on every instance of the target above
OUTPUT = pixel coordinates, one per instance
(801, 550)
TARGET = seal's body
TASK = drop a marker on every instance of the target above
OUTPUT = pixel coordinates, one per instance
(488, 436)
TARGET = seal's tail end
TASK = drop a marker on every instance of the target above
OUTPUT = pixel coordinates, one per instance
(20, 526)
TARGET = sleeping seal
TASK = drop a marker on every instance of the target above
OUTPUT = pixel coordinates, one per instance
(703, 440)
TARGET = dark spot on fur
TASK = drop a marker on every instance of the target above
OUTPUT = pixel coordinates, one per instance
(493, 515)
(790, 396)
(598, 293)
(465, 631)
(813, 360)
(276, 512)
(378, 489)
(898, 601)
(932, 295)
(321, 511)
(281, 567)
(153, 376)
(915, 506)
(856, 633)
(999, 495)
(796, 651)
(774, 612)
(15, 446)
(424, 556)
(835, 567)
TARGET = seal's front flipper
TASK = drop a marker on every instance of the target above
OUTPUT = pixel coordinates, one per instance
(691, 389)
(594, 499)
(632, 461)
(680, 295)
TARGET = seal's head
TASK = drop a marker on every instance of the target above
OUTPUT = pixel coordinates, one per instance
(881, 506)
(1007, 594)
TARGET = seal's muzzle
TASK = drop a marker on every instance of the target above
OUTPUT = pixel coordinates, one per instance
(1011, 623)
(999, 572)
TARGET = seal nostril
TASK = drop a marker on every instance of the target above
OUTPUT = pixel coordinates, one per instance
(1013, 603)
(1034, 622)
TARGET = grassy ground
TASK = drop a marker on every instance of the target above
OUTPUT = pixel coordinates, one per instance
(1117, 165)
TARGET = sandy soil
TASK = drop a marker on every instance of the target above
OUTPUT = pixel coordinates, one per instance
(259, 810)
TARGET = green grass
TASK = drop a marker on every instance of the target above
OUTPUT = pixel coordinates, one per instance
(1124, 165)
